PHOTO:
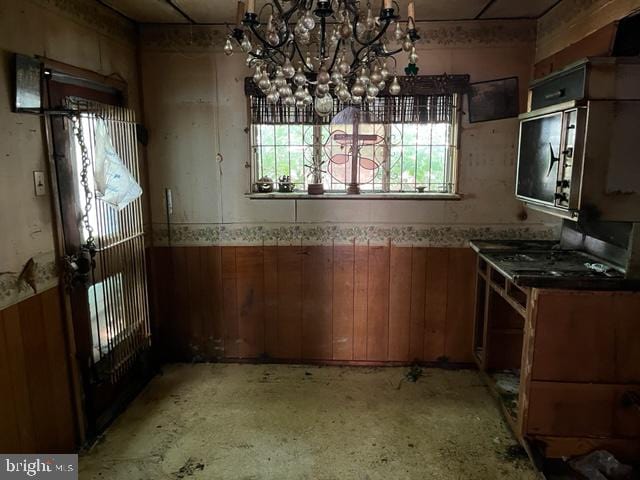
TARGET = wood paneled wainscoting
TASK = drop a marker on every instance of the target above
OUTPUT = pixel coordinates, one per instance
(341, 303)
(36, 409)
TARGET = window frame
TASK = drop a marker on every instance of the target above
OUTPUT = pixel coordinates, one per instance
(453, 165)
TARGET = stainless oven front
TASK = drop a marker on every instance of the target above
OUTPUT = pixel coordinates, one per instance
(549, 156)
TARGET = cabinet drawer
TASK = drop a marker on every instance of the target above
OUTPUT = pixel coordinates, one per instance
(562, 88)
(582, 410)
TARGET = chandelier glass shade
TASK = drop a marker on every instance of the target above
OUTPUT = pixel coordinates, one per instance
(310, 52)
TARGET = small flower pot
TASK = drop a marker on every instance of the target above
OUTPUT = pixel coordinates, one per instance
(315, 189)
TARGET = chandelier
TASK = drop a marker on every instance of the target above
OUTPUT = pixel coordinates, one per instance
(305, 52)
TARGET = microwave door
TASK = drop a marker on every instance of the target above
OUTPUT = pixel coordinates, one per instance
(538, 159)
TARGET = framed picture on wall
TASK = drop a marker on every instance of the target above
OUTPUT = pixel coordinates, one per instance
(493, 100)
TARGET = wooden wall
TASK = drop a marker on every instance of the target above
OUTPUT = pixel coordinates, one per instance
(342, 303)
(36, 412)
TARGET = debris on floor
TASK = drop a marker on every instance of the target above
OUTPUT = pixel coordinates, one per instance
(338, 423)
(515, 452)
(601, 465)
(414, 373)
(507, 384)
(189, 468)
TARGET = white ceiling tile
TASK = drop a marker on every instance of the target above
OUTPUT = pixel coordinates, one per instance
(147, 11)
(518, 8)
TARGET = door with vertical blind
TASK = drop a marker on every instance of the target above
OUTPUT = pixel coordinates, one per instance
(103, 259)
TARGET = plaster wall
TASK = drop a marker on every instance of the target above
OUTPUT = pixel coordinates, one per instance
(82, 34)
(196, 109)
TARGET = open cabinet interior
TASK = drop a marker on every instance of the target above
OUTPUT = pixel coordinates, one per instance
(499, 332)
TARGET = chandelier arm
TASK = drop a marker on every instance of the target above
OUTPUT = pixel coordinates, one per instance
(335, 56)
(380, 34)
(304, 61)
(323, 33)
(356, 17)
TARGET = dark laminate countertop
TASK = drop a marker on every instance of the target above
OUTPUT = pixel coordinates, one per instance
(542, 264)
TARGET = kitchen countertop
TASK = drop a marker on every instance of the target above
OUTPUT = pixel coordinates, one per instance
(542, 264)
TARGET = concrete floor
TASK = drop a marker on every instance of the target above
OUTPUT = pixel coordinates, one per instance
(280, 422)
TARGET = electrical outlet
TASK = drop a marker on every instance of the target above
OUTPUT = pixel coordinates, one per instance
(39, 184)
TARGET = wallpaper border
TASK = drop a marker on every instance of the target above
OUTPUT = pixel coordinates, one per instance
(326, 234)
(94, 15)
(445, 33)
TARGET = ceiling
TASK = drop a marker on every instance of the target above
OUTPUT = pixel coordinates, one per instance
(223, 11)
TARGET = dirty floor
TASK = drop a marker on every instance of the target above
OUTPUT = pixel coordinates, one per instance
(209, 421)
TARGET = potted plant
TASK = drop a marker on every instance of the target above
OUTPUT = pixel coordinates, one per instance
(315, 187)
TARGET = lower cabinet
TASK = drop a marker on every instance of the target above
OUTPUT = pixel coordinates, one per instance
(564, 364)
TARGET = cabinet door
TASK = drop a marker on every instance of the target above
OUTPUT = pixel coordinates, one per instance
(587, 337)
(538, 157)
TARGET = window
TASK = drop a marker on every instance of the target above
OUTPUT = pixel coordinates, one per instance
(408, 144)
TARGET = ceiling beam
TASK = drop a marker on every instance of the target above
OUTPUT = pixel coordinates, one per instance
(485, 8)
(181, 12)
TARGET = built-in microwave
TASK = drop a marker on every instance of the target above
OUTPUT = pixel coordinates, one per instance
(581, 156)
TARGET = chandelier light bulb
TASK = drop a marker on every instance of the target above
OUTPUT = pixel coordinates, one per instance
(322, 88)
(285, 91)
(309, 62)
(394, 88)
(288, 70)
(370, 21)
(304, 37)
(264, 84)
(345, 29)
(257, 75)
(280, 81)
(308, 21)
(358, 89)
(324, 105)
(323, 76)
(398, 33)
(245, 45)
(273, 38)
(286, 45)
(407, 45)
(299, 79)
(308, 99)
(413, 56)
(376, 76)
(228, 48)
(299, 95)
(364, 77)
(343, 95)
(344, 68)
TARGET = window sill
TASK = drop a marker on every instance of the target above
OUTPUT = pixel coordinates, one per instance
(362, 196)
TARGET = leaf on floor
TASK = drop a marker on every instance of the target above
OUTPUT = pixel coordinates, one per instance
(189, 468)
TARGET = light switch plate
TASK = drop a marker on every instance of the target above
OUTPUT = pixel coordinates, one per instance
(39, 183)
